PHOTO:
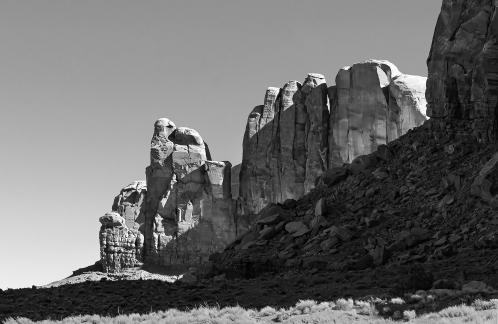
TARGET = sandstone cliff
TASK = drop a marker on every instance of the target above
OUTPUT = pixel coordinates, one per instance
(182, 214)
(372, 104)
(185, 211)
(304, 129)
(279, 136)
(462, 87)
(423, 204)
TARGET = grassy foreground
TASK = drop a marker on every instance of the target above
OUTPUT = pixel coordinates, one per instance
(305, 311)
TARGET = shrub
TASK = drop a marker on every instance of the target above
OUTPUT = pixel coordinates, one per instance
(344, 304)
(409, 315)
(458, 311)
(267, 311)
(304, 306)
(365, 308)
(397, 301)
(480, 304)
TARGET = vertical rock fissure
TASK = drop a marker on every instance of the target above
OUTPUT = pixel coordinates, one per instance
(325, 127)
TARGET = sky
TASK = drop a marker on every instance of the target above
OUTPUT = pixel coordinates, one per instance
(82, 82)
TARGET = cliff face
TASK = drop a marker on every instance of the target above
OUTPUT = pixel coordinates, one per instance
(185, 210)
(182, 214)
(372, 104)
(188, 208)
(428, 197)
(282, 143)
(304, 129)
(462, 85)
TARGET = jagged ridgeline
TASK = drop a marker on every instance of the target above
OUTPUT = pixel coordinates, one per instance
(304, 129)
(186, 210)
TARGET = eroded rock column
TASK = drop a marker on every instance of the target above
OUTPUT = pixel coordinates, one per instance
(285, 144)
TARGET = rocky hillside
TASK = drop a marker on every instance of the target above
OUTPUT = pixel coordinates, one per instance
(416, 200)
(426, 201)
(302, 130)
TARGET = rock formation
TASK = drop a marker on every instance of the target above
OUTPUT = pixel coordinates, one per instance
(372, 104)
(129, 204)
(422, 199)
(182, 214)
(462, 85)
(294, 137)
(122, 230)
(425, 201)
(282, 143)
(120, 247)
(188, 213)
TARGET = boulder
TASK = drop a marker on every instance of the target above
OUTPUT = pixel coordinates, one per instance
(485, 185)
(112, 219)
(321, 207)
(187, 136)
(475, 287)
(297, 228)
(335, 175)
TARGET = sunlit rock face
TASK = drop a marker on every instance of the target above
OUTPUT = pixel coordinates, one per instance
(408, 92)
(180, 215)
(462, 85)
(371, 104)
(284, 143)
(302, 129)
(121, 233)
(129, 204)
(189, 212)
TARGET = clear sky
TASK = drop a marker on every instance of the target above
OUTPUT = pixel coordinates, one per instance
(82, 82)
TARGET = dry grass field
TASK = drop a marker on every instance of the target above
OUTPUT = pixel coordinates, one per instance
(305, 311)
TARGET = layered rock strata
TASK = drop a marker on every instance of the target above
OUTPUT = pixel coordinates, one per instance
(122, 231)
(188, 213)
(462, 85)
(304, 129)
(182, 213)
(120, 247)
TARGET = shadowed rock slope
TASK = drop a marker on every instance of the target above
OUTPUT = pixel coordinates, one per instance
(425, 199)
(428, 198)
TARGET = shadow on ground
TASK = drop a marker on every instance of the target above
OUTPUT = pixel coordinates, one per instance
(111, 298)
